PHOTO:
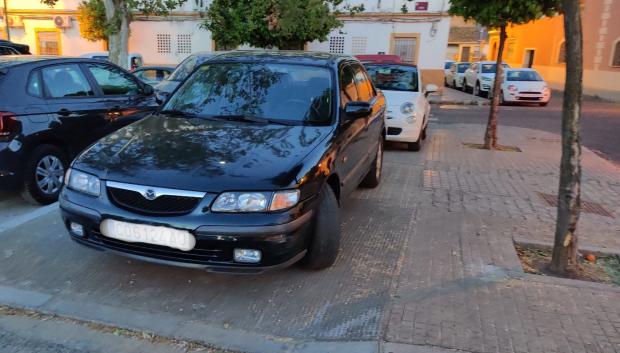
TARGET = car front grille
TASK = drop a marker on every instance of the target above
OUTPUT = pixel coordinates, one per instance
(203, 252)
(529, 98)
(394, 131)
(530, 92)
(164, 205)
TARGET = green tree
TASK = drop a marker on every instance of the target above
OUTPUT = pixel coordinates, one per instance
(118, 16)
(283, 24)
(569, 193)
(93, 23)
(499, 14)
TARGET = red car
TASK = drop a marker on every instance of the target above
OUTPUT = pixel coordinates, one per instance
(379, 59)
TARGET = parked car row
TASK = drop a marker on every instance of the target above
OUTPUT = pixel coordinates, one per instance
(242, 167)
(518, 85)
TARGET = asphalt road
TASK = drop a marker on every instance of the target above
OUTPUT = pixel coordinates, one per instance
(600, 124)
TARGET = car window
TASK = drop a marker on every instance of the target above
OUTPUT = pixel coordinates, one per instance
(348, 90)
(447, 65)
(184, 69)
(293, 93)
(490, 68)
(365, 90)
(394, 77)
(65, 81)
(113, 81)
(34, 84)
(152, 75)
(7, 51)
(524, 75)
(463, 67)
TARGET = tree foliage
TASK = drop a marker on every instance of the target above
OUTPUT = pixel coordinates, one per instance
(93, 23)
(285, 24)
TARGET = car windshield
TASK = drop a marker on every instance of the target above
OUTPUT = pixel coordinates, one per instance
(447, 65)
(394, 77)
(463, 67)
(286, 92)
(523, 75)
(490, 68)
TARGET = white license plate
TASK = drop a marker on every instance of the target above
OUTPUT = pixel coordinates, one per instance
(143, 233)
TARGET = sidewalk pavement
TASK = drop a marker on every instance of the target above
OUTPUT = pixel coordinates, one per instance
(447, 96)
(427, 264)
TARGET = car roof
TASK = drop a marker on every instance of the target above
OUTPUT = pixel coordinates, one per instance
(284, 56)
(7, 61)
(390, 64)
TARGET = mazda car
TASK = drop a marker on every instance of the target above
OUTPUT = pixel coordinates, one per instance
(244, 169)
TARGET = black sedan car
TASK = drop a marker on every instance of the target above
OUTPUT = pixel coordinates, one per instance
(11, 48)
(243, 169)
(52, 108)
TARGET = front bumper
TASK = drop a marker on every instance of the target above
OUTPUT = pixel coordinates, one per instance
(533, 97)
(282, 238)
(400, 130)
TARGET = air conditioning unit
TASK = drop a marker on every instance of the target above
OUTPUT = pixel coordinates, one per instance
(15, 21)
(62, 21)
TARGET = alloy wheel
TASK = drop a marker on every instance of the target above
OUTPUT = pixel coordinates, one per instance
(49, 174)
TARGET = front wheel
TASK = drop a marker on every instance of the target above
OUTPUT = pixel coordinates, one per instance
(373, 178)
(464, 87)
(325, 242)
(501, 98)
(544, 104)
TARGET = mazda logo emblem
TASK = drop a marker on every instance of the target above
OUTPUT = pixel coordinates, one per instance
(150, 194)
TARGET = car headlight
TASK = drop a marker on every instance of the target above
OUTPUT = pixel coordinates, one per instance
(83, 182)
(255, 201)
(407, 108)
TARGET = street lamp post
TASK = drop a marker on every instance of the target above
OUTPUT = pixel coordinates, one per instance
(6, 21)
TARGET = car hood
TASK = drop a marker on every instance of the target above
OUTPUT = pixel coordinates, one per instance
(202, 155)
(489, 75)
(166, 86)
(395, 99)
(527, 86)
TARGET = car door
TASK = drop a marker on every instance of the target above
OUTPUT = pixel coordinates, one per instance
(351, 149)
(123, 100)
(374, 122)
(72, 104)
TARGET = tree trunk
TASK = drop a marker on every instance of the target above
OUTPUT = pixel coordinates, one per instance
(490, 136)
(569, 195)
(119, 40)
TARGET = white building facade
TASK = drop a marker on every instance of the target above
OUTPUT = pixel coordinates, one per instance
(415, 30)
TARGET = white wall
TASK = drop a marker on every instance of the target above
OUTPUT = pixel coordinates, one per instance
(395, 5)
(431, 51)
(143, 39)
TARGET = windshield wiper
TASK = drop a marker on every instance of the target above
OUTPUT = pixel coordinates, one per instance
(250, 119)
(184, 114)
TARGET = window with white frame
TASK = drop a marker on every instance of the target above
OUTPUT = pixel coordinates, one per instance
(163, 44)
(358, 45)
(336, 44)
(184, 43)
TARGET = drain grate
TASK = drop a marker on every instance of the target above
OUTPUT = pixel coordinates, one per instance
(586, 206)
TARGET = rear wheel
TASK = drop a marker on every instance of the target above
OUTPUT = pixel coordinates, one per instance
(44, 175)
(325, 242)
(373, 178)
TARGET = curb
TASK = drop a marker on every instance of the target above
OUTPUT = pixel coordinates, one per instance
(460, 102)
(175, 327)
(546, 245)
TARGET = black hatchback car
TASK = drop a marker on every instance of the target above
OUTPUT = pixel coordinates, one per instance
(242, 170)
(52, 108)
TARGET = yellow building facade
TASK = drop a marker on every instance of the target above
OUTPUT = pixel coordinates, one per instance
(540, 44)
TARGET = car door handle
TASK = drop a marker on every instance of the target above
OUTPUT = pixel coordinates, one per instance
(64, 112)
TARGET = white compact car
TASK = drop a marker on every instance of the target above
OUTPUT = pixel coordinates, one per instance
(407, 107)
(456, 74)
(447, 65)
(524, 86)
(479, 78)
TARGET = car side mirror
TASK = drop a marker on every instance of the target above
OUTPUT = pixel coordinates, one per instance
(355, 110)
(147, 89)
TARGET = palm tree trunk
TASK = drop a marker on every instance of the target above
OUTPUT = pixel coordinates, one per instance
(569, 195)
(490, 135)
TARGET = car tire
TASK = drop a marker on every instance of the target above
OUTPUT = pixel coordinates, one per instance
(325, 242)
(415, 146)
(424, 132)
(454, 84)
(476, 90)
(373, 178)
(46, 162)
(501, 98)
(544, 104)
(464, 87)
